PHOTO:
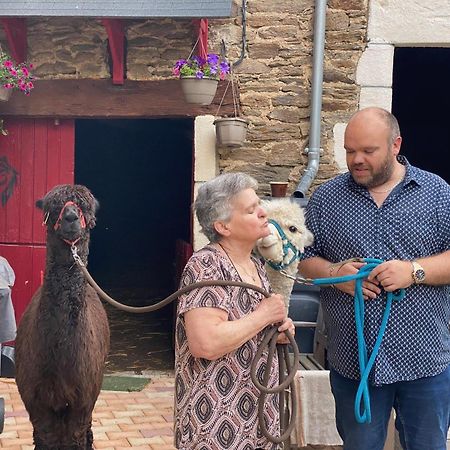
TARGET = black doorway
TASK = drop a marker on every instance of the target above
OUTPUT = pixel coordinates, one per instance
(140, 171)
(420, 101)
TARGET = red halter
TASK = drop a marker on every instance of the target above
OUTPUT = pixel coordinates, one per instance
(81, 217)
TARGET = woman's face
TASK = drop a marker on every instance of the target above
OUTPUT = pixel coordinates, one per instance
(248, 219)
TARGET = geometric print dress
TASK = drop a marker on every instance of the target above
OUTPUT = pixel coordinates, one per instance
(216, 401)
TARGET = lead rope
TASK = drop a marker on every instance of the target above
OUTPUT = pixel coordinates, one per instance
(287, 368)
(362, 399)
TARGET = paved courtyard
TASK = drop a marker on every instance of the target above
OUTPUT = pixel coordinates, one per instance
(141, 420)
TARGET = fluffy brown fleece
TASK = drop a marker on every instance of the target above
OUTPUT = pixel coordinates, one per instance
(63, 337)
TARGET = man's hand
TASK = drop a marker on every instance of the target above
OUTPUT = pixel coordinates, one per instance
(392, 275)
(371, 287)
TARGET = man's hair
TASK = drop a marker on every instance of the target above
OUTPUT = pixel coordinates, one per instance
(388, 118)
(213, 202)
(392, 123)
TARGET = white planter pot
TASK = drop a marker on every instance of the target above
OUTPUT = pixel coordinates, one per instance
(200, 91)
(231, 131)
(5, 94)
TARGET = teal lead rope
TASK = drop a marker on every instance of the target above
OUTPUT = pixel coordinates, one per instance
(362, 399)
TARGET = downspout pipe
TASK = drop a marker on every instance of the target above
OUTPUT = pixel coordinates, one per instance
(316, 101)
(244, 35)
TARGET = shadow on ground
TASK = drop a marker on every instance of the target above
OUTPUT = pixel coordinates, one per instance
(140, 342)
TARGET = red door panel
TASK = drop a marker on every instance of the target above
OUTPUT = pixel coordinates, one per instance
(34, 157)
(28, 263)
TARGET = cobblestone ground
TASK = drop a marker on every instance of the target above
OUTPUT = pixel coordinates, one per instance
(121, 420)
(141, 420)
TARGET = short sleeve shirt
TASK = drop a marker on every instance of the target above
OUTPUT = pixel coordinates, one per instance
(216, 401)
(413, 222)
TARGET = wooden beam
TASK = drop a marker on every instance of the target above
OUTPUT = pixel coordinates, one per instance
(16, 35)
(99, 98)
(116, 40)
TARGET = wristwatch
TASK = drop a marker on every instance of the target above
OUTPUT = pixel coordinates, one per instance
(418, 274)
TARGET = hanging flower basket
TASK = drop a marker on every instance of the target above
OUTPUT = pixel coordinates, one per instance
(200, 91)
(200, 76)
(231, 131)
(5, 94)
(14, 77)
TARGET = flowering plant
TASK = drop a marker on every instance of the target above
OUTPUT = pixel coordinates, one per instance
(211, 67)
(15, 76)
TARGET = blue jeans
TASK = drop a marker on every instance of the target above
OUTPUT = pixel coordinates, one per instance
(422, 412)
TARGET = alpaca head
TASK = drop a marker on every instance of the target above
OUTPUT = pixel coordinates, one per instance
(289, 235)
(69, 212)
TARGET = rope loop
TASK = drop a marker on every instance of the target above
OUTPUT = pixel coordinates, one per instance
(362, 399)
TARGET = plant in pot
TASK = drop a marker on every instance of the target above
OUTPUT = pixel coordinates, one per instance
(14, 77)
(231, 131)
(200, 77)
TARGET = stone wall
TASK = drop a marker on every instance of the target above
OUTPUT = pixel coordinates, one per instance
(274, 78)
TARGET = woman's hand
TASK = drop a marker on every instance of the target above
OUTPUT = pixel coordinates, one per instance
(274, 309)
(286, 325)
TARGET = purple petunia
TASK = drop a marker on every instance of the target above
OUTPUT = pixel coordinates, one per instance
(198, 67)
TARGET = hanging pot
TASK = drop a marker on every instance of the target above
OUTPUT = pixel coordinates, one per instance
(5, 94)
(231, 131)
(200, 91)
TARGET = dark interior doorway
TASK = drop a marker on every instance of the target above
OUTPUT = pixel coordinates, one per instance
(420, 101)
(141, 173)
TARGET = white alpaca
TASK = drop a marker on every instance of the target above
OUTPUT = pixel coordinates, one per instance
(283, 247)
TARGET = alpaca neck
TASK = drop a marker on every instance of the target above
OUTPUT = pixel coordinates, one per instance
(281, 284)
(64, 281)
(59, 252)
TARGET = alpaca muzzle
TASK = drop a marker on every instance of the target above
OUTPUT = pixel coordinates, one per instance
(75, 214)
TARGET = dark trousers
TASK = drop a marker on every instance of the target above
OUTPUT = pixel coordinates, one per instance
(422, 412)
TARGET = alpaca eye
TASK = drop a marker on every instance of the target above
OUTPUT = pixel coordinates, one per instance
(293, 229)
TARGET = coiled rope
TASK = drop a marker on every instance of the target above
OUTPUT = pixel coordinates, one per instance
(287, 369)
(362, 398)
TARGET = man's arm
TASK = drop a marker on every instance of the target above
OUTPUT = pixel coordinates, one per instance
(397, 274)
(318, 267)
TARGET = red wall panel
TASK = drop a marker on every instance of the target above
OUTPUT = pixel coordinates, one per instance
(28, 263)
(34, 157)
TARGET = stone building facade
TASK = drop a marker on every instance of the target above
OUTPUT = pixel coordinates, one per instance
(274, 78)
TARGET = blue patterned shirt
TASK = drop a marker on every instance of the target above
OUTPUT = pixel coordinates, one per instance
(413, 222)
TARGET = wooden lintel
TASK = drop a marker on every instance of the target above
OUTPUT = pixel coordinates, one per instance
(116, 39)
(16, 35)
(99, 98)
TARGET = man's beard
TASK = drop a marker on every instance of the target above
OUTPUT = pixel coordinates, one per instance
(381, 176)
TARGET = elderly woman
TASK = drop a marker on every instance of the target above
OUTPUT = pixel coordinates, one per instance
(219, 328)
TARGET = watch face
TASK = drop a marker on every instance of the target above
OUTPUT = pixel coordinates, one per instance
(419, 275)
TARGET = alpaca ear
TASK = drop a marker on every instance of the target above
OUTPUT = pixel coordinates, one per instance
(40, 203)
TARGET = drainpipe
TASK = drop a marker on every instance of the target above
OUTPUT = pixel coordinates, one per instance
(244, 34)
(316, 101)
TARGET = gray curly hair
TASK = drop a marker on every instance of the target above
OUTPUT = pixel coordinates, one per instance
(213, 202)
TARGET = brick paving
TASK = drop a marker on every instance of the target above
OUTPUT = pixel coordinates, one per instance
(141, 420)
(121, 420)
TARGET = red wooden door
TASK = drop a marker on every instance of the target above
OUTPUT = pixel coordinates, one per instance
(35, 156)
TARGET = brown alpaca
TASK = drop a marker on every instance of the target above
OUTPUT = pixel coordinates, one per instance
(63, 337)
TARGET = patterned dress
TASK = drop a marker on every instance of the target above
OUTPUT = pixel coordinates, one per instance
(216, 401)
